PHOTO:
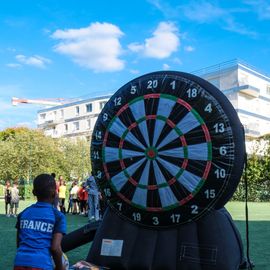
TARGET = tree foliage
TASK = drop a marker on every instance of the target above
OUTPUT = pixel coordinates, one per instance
(25, 153)
(257, 172)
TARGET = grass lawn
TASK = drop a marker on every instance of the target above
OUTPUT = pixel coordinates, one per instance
(8, 237)
(259, 215)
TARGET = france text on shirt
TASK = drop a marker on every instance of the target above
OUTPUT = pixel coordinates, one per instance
(36, 225)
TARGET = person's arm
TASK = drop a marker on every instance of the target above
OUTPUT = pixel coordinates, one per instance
(57, 251)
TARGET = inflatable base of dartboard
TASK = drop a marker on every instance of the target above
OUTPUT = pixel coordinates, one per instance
(211, 243)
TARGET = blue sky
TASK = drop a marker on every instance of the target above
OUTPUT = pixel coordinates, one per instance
(83, 48)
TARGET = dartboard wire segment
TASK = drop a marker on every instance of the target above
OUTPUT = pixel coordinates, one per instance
(164, 155)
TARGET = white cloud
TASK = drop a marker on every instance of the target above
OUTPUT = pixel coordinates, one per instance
(168, 10)
(136, 47)
(164, 41)
(204, 11)
(36, 60)
(233, 26)
(14, 65)
(95, 47)
(165, 67)
(261, 7)
(134, 71)
(189, 48)
(177, 61)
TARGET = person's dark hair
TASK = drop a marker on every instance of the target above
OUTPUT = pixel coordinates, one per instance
(44, 186)
(53, 175)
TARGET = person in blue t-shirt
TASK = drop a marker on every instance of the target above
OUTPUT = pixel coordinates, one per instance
(40, 229)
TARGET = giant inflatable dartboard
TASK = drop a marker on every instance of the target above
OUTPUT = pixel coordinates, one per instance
(167, 148)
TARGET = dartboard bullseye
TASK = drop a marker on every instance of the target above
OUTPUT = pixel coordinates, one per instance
(167, 148)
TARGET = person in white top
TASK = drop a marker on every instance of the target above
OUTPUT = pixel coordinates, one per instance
(15, 198)
(74, 196)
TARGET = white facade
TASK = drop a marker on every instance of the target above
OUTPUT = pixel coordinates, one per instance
(75, 119)
(247, 88)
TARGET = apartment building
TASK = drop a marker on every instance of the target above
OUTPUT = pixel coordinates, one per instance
(72, 120)
(246, 87)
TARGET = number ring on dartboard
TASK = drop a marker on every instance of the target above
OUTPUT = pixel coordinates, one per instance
(161, 162)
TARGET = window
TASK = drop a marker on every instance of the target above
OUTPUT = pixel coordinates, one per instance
(268, 89)
(62, 113)
(66, 127)
(89, 107)
(102, 104)
(77, 110)
(88, 124)
(43, 116)
(76, 125)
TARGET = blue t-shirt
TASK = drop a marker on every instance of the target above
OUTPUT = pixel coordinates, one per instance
(36, 226)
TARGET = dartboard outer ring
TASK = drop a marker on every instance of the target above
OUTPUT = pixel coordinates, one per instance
(167, 148)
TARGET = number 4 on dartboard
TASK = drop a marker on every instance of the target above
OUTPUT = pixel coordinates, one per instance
(208, 108)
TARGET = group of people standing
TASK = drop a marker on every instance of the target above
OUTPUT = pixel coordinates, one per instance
(83, 199)
(12, 199)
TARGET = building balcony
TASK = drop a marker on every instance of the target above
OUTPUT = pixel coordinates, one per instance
(249, 90)
(50, 123)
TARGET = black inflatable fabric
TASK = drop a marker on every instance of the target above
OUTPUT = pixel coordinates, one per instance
(167, 152)
(211, 243)
(80, 237)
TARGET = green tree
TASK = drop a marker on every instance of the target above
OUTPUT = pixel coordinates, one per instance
(25, 153)
(76, 158)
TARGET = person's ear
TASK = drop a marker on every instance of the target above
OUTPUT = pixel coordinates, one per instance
(34, 192)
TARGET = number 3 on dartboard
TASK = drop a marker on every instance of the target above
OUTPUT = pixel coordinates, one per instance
(155, 220)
